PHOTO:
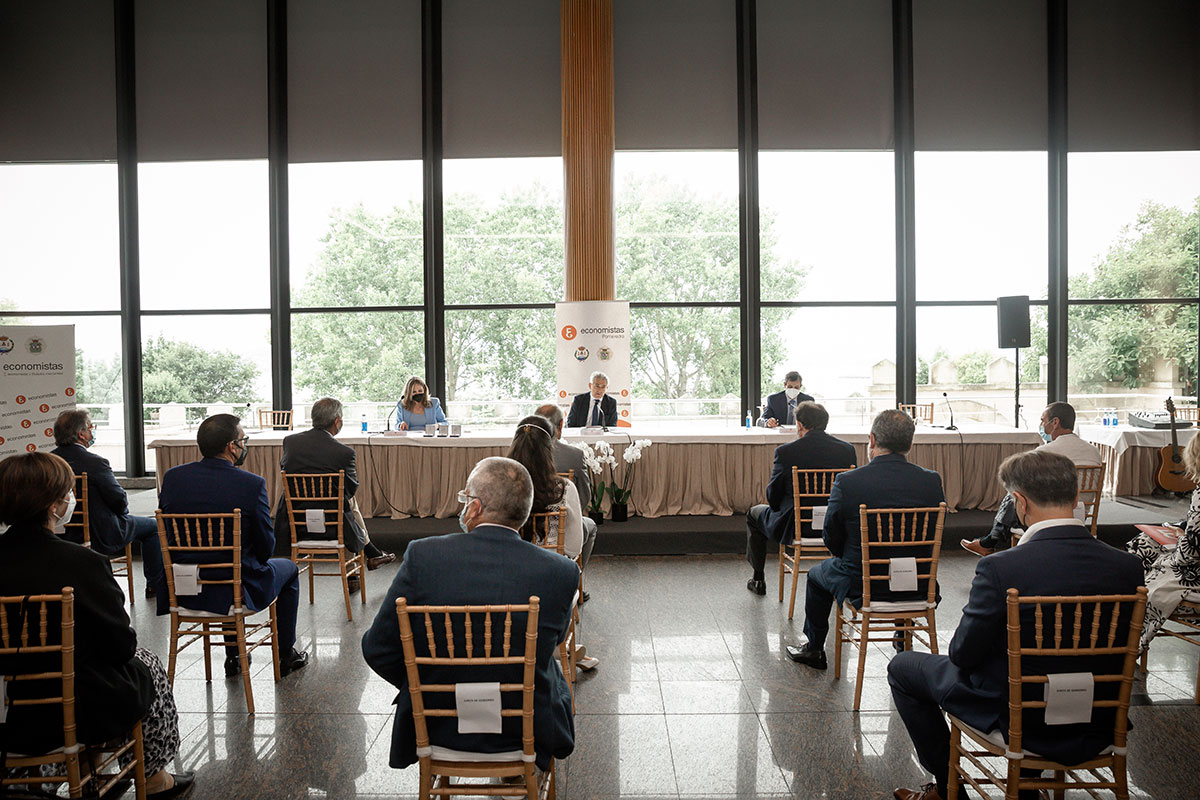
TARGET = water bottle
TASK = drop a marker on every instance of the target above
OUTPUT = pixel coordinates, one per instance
(749, 420)
(364, 423)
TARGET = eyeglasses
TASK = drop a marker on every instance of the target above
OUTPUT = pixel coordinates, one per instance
(465, 498)
(91, 426)
(242, 441)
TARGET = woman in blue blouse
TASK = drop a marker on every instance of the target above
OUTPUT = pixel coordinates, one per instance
(416, 408)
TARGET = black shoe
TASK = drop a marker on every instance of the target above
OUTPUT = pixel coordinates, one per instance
(898, 642)
(182, 788)
(292, 661)
(757, 585)
(584, 597)
(384, 557)
(809, 656)
(233, 666)
(353, 584)
(150, 591)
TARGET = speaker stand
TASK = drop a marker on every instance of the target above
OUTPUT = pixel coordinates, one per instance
(1017, 389)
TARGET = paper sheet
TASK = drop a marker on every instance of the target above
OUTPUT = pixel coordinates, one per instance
(818, 516)
(478, 707)
(187, 579)
(1069, 698)
(314, 520)
(902, 575)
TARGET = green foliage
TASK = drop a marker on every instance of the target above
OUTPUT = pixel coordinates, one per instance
(180, 372)
(972, 367)
(98, 381)
(923, 365)
(1153, 257)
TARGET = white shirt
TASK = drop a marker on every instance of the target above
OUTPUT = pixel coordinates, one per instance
(1047, 523)
(1070, 445)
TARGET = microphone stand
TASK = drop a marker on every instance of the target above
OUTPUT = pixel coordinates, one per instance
(951, 426)
(1017, 389)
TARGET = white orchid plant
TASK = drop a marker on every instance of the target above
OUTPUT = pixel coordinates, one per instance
(595, 460)
(632, 454)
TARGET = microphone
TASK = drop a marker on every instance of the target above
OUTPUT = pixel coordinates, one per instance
(951, 426)
(387, 426)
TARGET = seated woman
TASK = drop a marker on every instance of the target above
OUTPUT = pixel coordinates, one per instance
(416, 408)
(116, 682)
(1172, 572)
(533, 447)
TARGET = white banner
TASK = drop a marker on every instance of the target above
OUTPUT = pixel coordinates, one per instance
(37, 383)
(593, 336)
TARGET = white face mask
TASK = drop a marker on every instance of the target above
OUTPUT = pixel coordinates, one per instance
(60, 522)
(792, 392)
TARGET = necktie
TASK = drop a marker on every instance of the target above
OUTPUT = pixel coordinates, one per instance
(595, 412)
(791, 412)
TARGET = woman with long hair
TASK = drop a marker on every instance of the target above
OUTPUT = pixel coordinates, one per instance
(117, 683)
(1172, 572)
(533, 447)
(416, 408)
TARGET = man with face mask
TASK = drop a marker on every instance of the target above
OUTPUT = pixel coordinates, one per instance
(215, 485)
(781, 406)
(1057, 556)
(488, 563)
(1058, 432)
(112, 526)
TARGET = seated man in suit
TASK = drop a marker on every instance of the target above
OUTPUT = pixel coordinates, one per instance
(215, 485)
(972, 681)
(112, 526)
(889, 481)
(1058, 432)
(593, 408)
(317, 451)
(487, 564)
(781, 406)
(776, 521)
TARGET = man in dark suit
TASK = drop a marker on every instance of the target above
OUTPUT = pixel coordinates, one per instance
(489, 564)
(317, 451)
(593, 408)
(776, 521)
(1056, 556)
(111, 525)
(781, 406)
(889, 481)
(566, 457)
(215, 485)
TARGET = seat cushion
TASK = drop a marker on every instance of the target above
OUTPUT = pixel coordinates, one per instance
(996, 738)
(448, 754)
(895, 606)
(812, 541)
(321, 543)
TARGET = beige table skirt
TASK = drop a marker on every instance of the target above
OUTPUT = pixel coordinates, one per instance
(1133, 472)
(672, 478)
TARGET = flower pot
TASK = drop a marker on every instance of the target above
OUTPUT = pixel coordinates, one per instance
(620, 512)
(597, 517)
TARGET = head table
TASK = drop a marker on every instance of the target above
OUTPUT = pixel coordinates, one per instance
(717, 470)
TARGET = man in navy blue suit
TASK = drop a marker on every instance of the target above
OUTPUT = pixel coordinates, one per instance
(486, 564)
(215, 485)
(781, 406)
(1056, 556)
(593, 408)
(889, 481)
(775, 521)
(111, 525)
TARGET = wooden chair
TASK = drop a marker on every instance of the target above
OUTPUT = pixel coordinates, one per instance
(214, 542)
(1091, 485)
(79, 529)
(569, 475)
(1186, 615)
(37, 644)
(486, 652)
(1066, 629)
(888, 534)
(303, 493)
(539, 527)
(810, 489)
(920, 412)
(270, 419)
(1190, 413)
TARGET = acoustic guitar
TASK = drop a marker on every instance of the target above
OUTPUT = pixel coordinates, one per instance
(1171, 474)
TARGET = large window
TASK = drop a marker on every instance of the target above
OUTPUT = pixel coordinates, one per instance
(1133, 230)
(499, 363)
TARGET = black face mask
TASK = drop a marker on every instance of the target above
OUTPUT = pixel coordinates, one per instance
(241, 459)
(419, 398)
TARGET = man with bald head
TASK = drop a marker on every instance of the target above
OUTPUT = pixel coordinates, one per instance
(488, 563)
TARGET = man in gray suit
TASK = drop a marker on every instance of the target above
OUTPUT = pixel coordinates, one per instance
(317, 451)
(567, 457)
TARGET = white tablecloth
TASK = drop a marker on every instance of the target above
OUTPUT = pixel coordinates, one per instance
(1122, 437)
(1131, 455)
(718, 471)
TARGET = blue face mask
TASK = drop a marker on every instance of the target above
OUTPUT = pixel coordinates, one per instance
(462, 521)
(1042, 432)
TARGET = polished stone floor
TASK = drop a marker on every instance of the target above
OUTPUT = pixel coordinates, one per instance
(693, 697)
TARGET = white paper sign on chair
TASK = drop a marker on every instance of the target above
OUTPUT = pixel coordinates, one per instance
(818, 515)
(478, 706)
(314, 520)
(187, 579)
(1069, 697)
(902, 575)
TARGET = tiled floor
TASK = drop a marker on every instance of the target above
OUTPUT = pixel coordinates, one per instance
(693, 697)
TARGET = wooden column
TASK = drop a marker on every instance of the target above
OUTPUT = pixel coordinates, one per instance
(588, 143)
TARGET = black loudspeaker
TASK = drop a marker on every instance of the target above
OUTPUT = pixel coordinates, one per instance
(1012, 313)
